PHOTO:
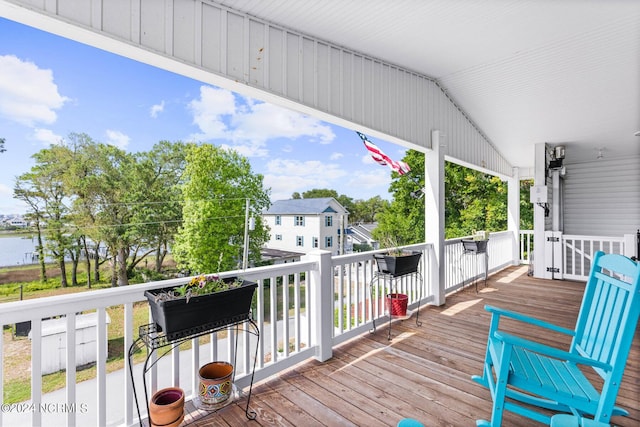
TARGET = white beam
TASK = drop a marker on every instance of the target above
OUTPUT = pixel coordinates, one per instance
(434, 212)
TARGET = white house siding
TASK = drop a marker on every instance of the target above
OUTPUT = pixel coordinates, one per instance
(602, 200)
(211, 43)
(313, 228)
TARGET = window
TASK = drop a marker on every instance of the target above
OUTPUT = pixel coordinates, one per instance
(278, 220)
(278, 236)
(299, 221)
(315, 242)
(328, 221)
(328, 241)
(299, 240)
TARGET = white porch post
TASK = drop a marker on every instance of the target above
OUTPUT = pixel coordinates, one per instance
(513, 220)
(321, 307)
(434, 213)
(540, 178)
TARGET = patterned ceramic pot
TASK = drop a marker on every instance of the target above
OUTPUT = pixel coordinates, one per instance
(215, 382)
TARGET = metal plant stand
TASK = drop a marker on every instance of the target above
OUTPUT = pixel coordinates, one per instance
(154, 340)
(475, 248)
(392, 279)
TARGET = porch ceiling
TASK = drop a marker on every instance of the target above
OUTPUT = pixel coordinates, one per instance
(525, 71)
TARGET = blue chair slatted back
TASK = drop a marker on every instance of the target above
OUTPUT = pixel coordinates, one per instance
(608, 318)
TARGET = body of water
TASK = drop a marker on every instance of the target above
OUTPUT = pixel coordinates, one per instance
(17, 250)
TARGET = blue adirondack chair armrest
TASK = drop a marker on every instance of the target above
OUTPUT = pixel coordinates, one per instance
(528, 319)
(549, 351)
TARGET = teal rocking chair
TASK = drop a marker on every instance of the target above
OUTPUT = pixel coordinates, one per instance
(524, 376)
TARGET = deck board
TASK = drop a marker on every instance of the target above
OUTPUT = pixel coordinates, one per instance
(423, 372)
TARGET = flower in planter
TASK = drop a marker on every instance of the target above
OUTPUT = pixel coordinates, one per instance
(199, 285)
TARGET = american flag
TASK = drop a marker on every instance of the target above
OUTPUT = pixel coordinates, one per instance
(379, 156)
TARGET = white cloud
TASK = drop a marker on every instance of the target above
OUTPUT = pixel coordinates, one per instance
(264, 121)
(368, 160)
(117, 138)
(248, 148)
(249, 124)
(156, 109)
(336, 156)
(370, 179)
(46, 136)
(28, 94)
(286, 176)
(209, 112)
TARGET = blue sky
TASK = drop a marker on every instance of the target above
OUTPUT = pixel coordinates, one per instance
(51, 87)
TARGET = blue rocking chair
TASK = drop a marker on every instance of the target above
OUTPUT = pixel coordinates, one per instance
(525, 376)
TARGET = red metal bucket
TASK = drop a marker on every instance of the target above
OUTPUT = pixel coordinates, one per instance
(396, 304)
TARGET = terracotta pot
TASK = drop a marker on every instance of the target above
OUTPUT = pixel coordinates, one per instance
(215, 382)
(166, 407)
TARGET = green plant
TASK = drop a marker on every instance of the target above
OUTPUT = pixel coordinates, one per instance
(199, 285)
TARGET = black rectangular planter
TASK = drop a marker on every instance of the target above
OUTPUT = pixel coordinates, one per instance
(398, 265)
(476, 246)
(178, 317)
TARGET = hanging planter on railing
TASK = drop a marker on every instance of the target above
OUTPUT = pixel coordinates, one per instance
(203, 303)
(398, 263)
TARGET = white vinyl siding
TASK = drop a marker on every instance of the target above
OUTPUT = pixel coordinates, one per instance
(602, 200)
(229, 47)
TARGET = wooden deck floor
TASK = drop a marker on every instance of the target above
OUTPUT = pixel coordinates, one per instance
(423, 372)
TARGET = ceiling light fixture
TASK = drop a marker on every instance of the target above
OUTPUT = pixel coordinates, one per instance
(637, 133)
(600, 155)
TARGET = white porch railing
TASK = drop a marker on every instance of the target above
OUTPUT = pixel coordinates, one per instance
(577, 253)
(526, 246)
(328, 301)
(462, 269)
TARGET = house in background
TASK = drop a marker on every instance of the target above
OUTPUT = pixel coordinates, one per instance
(305, 225)
(15, 222)
(360, 234)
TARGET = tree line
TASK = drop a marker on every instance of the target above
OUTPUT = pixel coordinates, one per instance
(473, 201)
(93, 199)
(97, 202)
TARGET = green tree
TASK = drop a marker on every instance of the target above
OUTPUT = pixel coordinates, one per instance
(473, 201)
(2, 149)
(27, 191)
(43, 188)
(366, 211)
(217, 183)
(402, 221)
(157, 185)
(317, 193)
(526, 207)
